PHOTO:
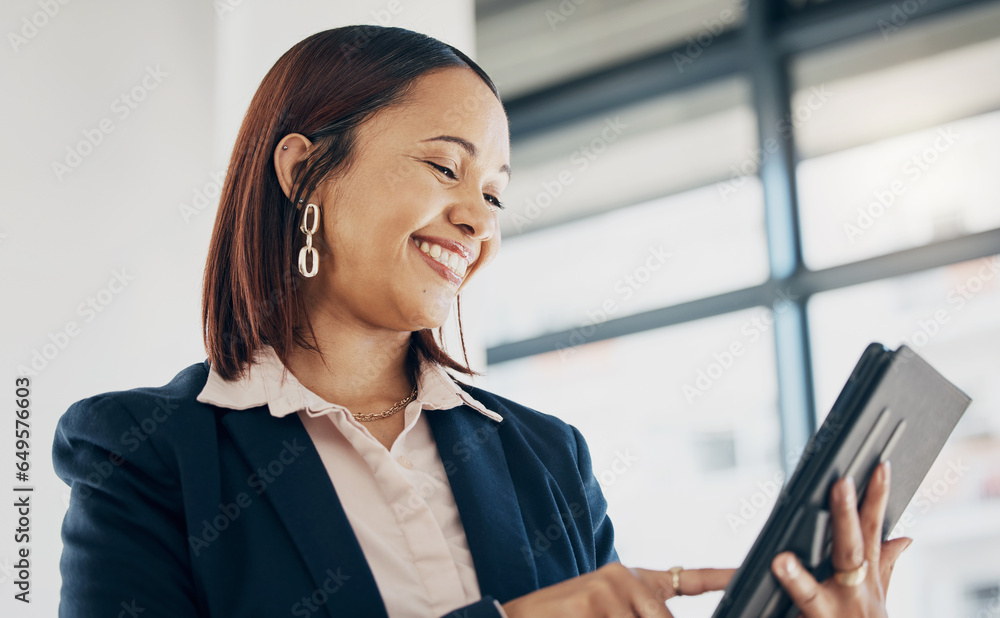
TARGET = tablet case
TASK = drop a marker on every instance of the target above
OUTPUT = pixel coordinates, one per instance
(894, 406)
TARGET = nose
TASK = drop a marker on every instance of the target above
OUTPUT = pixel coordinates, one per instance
(474, 217)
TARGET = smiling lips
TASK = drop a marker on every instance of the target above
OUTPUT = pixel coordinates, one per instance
(452, 260)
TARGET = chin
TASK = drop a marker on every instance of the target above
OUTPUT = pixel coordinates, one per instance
(428, 315)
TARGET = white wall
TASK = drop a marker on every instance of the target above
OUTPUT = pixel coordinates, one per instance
(66, 232)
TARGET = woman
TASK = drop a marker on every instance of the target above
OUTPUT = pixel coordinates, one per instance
(322, 461)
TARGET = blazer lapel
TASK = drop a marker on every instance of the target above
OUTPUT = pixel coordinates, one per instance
(314, 518)
(472, 452)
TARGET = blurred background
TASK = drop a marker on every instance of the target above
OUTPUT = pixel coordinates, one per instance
(715, 206)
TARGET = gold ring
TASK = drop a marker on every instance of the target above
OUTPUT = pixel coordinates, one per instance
(675, 579)
(853, 577)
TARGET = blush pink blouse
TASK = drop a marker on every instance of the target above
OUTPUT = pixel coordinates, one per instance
(398, 501)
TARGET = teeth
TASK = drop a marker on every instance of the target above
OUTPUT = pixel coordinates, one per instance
(451, 260)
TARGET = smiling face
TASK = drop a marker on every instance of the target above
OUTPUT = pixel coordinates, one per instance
(414, 215)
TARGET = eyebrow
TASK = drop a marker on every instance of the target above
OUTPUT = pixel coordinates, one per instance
(466, 145)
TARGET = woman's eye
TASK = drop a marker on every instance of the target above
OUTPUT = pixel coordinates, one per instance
(450, 173)
(492, 199)
(447, 171)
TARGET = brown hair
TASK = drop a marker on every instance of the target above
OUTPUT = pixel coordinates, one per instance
(324, 88)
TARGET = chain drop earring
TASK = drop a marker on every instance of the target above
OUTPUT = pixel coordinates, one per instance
(308, 253)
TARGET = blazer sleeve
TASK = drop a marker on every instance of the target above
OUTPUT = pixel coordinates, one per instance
(123, 535)
(604, 533)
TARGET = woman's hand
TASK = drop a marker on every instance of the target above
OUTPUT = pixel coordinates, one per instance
(617, 591)
(855, 540)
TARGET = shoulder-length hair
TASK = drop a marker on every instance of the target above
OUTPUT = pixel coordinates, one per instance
(323, 88)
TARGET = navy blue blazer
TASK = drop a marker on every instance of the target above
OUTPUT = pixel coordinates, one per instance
(181, 508)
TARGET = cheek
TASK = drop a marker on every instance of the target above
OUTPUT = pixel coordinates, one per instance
(404, 202)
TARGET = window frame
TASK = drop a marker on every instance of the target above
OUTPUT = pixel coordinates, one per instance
(761, 49)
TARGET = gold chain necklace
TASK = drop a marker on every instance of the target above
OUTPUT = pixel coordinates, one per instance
(396, 407)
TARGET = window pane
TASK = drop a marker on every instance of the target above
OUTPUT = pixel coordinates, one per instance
(621, 212)
(903, 192)
(528, 45)
(922, 75)
(640, 152)
(949, 316)
(899, 148)
(666, 251)
(682, 426)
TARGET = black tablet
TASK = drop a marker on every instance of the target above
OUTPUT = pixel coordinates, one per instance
(894, 406)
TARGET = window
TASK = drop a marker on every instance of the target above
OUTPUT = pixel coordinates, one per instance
(870, 213)
(903, 150)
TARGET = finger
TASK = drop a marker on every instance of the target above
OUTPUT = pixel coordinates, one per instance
(699, 581)
(660, 582)
(873, 512)
(800, 585)
(651, 607)
(848, 544)
(639, 599)
(692, 581)
(891, 551)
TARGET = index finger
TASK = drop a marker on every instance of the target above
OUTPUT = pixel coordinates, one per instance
(692, 581)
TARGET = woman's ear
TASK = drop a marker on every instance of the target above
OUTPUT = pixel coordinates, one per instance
(292, 148)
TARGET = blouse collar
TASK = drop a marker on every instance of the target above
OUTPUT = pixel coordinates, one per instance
(268, 382)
